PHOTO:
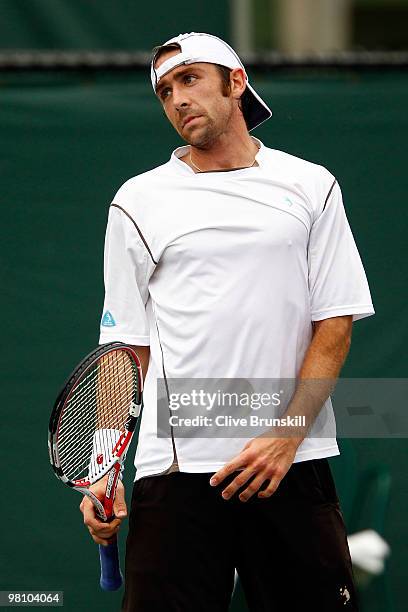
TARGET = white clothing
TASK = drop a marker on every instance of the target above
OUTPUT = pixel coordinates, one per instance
(222, 274)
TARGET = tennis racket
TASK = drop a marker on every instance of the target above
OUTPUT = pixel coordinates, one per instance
(90, 429)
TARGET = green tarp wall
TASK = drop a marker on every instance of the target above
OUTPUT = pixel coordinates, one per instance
(105, 24)
(67, 143)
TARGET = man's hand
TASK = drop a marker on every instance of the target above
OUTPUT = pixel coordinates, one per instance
(102, 532)
(264, 458)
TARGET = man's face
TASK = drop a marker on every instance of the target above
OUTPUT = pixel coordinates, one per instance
(194, 102)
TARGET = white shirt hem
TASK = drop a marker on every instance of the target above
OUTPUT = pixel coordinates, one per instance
(134, 340)
(202, 468)
(359, 312)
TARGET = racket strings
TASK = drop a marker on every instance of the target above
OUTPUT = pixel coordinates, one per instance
(75, 455)
(109, 396)
(112, 419)
(81, 397)
(109, 374)
(99, 401)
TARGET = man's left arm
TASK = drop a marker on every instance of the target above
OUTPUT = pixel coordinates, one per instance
(268, 458)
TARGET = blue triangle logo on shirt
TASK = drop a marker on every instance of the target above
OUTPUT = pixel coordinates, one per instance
(108, 320)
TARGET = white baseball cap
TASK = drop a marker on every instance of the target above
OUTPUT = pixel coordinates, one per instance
(199, 47)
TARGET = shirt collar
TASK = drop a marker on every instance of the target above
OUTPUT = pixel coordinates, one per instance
(181, 151)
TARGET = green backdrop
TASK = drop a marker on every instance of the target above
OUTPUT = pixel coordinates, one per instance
(104, 24)
(68, 142)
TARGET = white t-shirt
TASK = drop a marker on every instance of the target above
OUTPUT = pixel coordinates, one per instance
(222, 274)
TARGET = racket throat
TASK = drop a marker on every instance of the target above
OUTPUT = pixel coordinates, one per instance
(111, 490)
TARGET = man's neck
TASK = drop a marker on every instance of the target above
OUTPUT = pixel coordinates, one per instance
(225, 154)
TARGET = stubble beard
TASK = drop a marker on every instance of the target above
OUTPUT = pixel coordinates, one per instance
(205, 137)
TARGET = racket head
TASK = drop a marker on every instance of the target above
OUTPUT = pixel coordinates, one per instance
(95, 412)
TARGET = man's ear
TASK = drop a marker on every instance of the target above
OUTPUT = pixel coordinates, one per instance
(238, 82)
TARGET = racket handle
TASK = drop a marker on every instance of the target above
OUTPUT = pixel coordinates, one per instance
(111, 576)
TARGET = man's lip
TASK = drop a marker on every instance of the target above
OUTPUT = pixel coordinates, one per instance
(190, 118)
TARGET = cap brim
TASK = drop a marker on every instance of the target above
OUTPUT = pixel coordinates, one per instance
(254, 108)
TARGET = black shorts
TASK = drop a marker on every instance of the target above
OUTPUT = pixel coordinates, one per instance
(290, 550)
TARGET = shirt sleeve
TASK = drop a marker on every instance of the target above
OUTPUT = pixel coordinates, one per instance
(337, 282)
(127, 269)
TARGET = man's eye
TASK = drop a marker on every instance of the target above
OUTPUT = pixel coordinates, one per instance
(165, 93)
(189, 78)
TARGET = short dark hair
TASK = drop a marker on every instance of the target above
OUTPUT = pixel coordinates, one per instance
(225, 74)
(162, 49)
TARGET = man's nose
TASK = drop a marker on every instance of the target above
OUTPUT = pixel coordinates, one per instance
(180, 99)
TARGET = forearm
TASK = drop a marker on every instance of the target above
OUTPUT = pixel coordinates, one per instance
(328, 349)
(319, 372)
(143, 352)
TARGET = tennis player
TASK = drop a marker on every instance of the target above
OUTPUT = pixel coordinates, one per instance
(232, 260)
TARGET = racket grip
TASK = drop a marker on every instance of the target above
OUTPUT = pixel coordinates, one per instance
(111, 576)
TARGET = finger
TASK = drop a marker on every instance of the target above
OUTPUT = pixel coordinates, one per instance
(119, 506)
(85, 502)
(104, 534)
(253, 487)
(105, 530)
(279, 473)
(237, 483)
(270, 489)
(91, 518)
(115, 524)
(232, 466)
(98, 540)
